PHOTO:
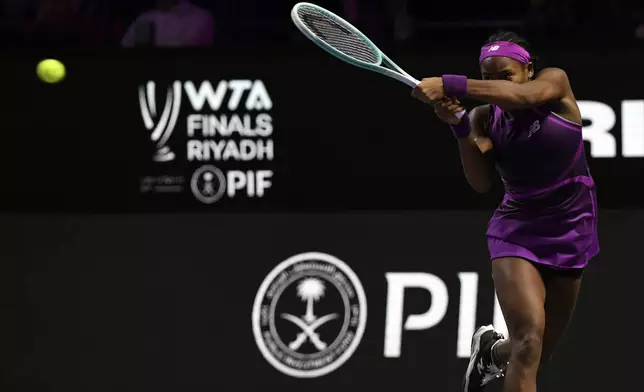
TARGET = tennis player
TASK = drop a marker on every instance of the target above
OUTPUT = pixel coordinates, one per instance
(543, 233)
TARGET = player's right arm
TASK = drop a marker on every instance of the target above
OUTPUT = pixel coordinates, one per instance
(474, 148)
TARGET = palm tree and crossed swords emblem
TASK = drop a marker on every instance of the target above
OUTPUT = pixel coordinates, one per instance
(309, 290)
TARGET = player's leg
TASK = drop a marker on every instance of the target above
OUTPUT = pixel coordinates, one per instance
(522, 295)
(562, 289)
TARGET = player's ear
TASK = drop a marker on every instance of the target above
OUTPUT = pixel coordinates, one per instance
(530, 67)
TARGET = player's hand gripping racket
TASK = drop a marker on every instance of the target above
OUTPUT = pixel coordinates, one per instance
(340, 39)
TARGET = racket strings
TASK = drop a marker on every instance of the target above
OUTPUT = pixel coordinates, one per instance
(337, 36)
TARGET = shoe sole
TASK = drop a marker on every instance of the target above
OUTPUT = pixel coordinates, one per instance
(476, 347)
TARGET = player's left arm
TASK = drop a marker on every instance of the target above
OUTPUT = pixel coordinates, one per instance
(551, 84)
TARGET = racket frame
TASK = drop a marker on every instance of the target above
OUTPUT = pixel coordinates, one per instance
(397, 73)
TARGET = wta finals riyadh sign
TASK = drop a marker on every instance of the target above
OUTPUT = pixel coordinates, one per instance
(229, 123)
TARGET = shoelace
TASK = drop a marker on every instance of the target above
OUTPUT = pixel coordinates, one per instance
(491, 372)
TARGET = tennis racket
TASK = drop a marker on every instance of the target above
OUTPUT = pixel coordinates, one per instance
(342, 40)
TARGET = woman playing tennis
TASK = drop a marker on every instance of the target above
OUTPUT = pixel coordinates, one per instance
(543, 234)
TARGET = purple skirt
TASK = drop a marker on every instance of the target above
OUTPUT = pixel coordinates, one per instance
(558, 230)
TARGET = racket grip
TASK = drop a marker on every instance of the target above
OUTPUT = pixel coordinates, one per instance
(463, 128)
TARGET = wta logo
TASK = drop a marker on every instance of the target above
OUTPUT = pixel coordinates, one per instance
(229, 121)
(162, 128)
(209, 122)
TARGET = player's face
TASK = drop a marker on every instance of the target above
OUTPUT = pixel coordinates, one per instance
(505, 68)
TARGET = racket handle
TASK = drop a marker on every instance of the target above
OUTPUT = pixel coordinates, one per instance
(414, 83)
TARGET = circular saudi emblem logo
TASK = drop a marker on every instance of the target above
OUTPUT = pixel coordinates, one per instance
(309, 315)
(208, 184)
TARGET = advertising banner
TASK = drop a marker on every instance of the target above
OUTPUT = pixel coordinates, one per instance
(263, 131)
(286, 302)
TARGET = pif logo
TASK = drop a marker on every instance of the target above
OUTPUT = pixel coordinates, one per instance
(209, 184)
(309, 315)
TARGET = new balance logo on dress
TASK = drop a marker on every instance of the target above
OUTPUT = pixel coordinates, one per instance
(534, 128)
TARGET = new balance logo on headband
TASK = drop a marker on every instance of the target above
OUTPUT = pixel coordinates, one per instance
(505, 49)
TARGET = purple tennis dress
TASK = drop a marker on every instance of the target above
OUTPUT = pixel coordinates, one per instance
(549, 212)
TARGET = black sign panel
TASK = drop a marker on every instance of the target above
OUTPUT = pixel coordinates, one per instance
(259, 131)
(284, 302)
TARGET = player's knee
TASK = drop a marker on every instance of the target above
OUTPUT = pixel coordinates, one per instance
(526, 347)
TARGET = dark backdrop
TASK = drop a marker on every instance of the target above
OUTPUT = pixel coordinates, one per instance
(154, 297)
(143, 302)
(344, 138)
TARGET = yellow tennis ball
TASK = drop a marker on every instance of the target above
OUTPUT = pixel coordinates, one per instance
(51, 71)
